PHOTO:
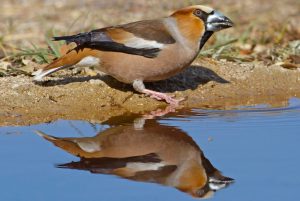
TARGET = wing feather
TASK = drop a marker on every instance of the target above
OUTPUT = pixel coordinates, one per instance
(144, 38)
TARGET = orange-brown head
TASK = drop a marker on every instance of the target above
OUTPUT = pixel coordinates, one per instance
(198, 23)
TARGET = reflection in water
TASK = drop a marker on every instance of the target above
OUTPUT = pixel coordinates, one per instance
(145, 151)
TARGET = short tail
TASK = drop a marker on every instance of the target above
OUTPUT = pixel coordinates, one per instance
(70, 59)
(81, 147)
(66, 144)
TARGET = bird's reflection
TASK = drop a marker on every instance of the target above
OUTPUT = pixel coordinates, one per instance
(145, 151)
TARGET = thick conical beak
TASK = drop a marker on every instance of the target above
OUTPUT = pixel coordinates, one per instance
(217, 21)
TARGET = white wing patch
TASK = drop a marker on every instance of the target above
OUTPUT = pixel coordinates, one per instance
(144, 166)
(88, 61)
(140, 43)
(89, 147)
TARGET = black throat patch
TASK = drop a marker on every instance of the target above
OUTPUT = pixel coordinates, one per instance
(205, 38)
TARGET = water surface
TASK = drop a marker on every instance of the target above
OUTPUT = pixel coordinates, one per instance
(174, 157)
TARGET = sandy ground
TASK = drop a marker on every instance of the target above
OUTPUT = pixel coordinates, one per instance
(206, 84)
(261, 27)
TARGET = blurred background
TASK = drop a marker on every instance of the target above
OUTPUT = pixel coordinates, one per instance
(266, 30)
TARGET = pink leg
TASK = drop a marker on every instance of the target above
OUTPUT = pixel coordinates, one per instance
(162, 96)
(160, 112)
(139, 86)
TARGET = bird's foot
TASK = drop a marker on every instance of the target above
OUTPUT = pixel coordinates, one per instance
(162, 96)
(160, 112)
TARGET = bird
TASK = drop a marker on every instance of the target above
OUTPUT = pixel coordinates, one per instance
(145, 151)
(143, 51)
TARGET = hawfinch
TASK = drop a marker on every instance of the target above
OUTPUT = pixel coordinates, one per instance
(157, 153)
(143, 51)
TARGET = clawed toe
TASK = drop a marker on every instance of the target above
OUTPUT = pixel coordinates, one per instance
(173, 101)
(139, 86)
(156, 97)
(160, 112)
(169, 99)
(162, 96)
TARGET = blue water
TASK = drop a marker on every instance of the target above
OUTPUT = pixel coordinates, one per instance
(258, 147)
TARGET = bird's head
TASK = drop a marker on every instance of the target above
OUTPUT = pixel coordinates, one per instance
(200, 22)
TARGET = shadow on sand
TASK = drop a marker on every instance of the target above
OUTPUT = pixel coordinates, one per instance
(190, 78)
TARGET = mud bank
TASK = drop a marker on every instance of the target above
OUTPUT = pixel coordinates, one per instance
(206, 84)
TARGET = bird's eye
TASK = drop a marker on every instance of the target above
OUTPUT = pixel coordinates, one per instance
(201, 14)
(198, 13)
